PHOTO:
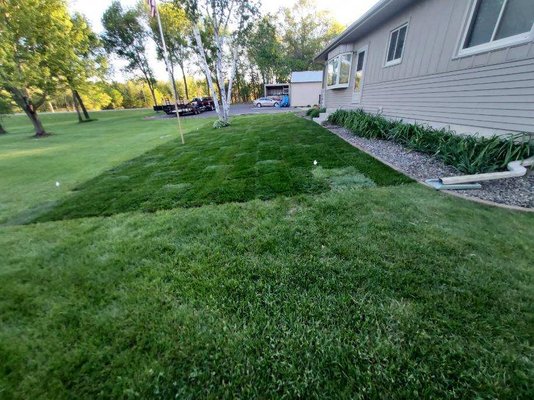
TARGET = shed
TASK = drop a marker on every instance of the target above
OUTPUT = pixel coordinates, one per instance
(306, 88)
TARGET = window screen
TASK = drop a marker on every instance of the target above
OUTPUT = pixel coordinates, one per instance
(396, 43)
(499, 19)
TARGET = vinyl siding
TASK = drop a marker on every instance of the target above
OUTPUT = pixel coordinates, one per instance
(487, 92)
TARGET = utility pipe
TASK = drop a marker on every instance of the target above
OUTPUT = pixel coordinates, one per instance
(515, 169)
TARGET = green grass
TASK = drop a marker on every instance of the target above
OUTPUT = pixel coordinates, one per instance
(74, 153)
(253, 159)
(367, 290)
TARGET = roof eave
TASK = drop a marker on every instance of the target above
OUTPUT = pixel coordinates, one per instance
(365, 19)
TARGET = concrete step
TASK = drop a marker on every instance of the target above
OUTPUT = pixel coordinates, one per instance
(322, 118)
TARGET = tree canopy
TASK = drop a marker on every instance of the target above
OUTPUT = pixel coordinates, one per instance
(177, 31)
(305, 31)
(126, 37)
(49, 56)
(34, 44)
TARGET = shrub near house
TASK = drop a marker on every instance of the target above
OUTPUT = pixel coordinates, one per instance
(469, 154)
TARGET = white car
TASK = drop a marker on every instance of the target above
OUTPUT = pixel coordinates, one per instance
(266, 102)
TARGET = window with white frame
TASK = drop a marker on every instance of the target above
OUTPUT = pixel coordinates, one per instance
(338, 71)
(495, 23)
(397, 39)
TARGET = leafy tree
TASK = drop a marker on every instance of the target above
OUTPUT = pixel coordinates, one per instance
(125, 36)
(116, 99)
(136, 93)
(6, 107)
(305, 31)
(266, 51)
(95, 96)
(229, 22)
(85, 62)
(177, 30)
(33, 37)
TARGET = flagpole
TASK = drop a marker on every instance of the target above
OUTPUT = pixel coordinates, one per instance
(168, 67)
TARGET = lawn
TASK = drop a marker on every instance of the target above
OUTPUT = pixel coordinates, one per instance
(355, 285)
(74, 153)
(256, 159)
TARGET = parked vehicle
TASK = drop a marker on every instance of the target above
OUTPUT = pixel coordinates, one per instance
(266, 102)
(195, 106)
(204, 103)
(183, 109)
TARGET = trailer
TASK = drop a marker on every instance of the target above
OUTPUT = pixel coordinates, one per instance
(183, 109)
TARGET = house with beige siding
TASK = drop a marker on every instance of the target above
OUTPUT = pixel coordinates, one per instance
(463, 64)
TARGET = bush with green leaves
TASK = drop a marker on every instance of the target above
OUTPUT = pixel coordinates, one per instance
(314, 112)
(220, 124)
(469, 154)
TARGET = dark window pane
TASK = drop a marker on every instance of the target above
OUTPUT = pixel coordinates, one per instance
(361, 58)
(484, 21)
(400, 43)
(392, 44)
(517, 18)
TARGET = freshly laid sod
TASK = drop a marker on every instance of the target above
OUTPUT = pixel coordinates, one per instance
(347, 283)
(74, 153)
(259, 157)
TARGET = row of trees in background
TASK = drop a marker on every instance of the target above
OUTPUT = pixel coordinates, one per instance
(51, 58)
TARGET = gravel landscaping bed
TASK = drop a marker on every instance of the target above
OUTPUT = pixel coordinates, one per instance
(513, 191)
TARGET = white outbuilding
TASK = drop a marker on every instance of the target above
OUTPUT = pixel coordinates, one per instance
(305, 88)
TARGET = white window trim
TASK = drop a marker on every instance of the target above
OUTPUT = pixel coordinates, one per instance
(358, 99)
(493, 45)
(339, 85)
(398, 60)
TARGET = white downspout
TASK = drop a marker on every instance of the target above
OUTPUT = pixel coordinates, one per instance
(515, 169)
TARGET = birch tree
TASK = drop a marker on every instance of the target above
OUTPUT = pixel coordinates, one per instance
(229, 21)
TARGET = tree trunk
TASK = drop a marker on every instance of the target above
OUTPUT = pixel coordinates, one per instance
(77, 106)
(153, 93)
(37, 124)
(80, 102)
(185, 80)
(239, 96)
(218, 85)
(223, 116)
(142, 64)
(2, 130)
(23, 101)
(231, 80)
(207, 72)
(174, 89)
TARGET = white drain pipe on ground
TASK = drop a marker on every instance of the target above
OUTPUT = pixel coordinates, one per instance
(515, 169)
(466, 182)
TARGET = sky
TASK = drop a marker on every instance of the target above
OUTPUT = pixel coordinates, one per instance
(345, 11)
